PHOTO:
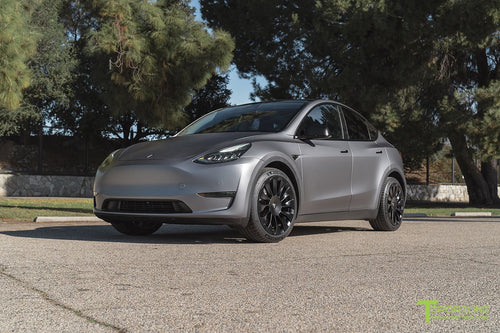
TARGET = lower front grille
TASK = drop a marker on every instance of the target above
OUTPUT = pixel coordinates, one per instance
(146, 206)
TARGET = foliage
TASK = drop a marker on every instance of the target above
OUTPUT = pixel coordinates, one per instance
(159, 53)
(52, 65)
(17, 43)
(485, 130)
(13, 121)
(214, 95)
(51, 71)
(129, 129)
(97, 63)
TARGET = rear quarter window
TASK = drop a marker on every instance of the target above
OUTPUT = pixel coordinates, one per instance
(373, 132)
(357, 126)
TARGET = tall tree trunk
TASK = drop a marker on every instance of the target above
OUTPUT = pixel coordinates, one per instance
(489, 172)
(477, 187)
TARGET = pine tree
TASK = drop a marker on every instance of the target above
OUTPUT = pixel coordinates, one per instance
(52, 65)
(159, 53)
(17, 43)
(214, 95)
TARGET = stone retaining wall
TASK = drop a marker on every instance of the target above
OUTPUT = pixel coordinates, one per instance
(13, 185)
(438, 193)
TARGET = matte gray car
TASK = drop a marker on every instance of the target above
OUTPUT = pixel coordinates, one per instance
(257, 167)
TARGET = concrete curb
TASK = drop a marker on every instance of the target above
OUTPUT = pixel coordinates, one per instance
(42, 219)
(471, 214)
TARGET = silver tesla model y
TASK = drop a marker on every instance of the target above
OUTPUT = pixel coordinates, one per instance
(257, 167)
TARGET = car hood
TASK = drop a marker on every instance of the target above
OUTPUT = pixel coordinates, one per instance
(184, 147)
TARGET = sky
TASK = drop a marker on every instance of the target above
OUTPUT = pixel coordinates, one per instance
(241, 88)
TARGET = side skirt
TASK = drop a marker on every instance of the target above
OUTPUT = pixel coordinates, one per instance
(338, 216)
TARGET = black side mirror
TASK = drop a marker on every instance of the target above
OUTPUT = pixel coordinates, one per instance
(314, 133)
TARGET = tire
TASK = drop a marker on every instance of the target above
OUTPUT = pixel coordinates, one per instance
(273, 207)
(137, 228)
(391, 206)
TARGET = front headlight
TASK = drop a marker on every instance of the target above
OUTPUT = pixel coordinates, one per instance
(225, 155)
(107, 162)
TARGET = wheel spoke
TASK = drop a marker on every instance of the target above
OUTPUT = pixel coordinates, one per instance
(264, 210)
(284, 223)
(287, 215)
(264, 195)
(274, 187)
(397, 218)
(278, 229)
(289, 203)
(269, 191)
(276, 205)
(283, 189)
(268, 220)
(274, 225)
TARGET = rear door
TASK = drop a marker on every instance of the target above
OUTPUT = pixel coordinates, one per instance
(368, 160)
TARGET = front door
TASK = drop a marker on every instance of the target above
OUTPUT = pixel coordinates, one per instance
(326, 163)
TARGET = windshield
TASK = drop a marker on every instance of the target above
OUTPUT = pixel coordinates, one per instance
(264, 117)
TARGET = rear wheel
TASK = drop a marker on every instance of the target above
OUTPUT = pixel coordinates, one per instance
(391, 207)
(273, 207)
(137, 228)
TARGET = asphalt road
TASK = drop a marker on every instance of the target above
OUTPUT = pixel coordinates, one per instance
(330, 277)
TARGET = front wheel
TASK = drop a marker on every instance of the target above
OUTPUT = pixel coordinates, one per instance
(391, 207)
(137, 228)
(273, 207)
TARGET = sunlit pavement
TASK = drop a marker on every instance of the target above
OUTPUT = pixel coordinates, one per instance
(331, 276)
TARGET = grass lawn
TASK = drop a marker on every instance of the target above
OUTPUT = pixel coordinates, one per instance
(13, 209)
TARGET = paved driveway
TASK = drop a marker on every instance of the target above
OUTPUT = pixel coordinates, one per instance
(331, 276)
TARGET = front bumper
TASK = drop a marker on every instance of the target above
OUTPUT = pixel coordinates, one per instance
(214, 193)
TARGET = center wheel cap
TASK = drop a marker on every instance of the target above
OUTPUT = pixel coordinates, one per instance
(275, 205)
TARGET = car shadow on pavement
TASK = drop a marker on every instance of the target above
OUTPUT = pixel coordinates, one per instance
(306, 230)
(167, 234)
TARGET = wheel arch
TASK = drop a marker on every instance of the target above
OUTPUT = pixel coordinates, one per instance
(399, 177)
(288, 171)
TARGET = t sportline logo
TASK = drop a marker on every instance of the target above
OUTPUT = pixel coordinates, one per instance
(435, 311)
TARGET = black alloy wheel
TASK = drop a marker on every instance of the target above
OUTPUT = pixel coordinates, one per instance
(391, 206)
(273, 207)
(276, 205)
(395, 204)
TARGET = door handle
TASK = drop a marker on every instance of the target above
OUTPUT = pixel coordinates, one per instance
(344, 151)
(378, 152)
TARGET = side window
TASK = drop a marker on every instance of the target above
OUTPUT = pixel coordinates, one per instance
(322, 117)
(373, 132)
(356, 126)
